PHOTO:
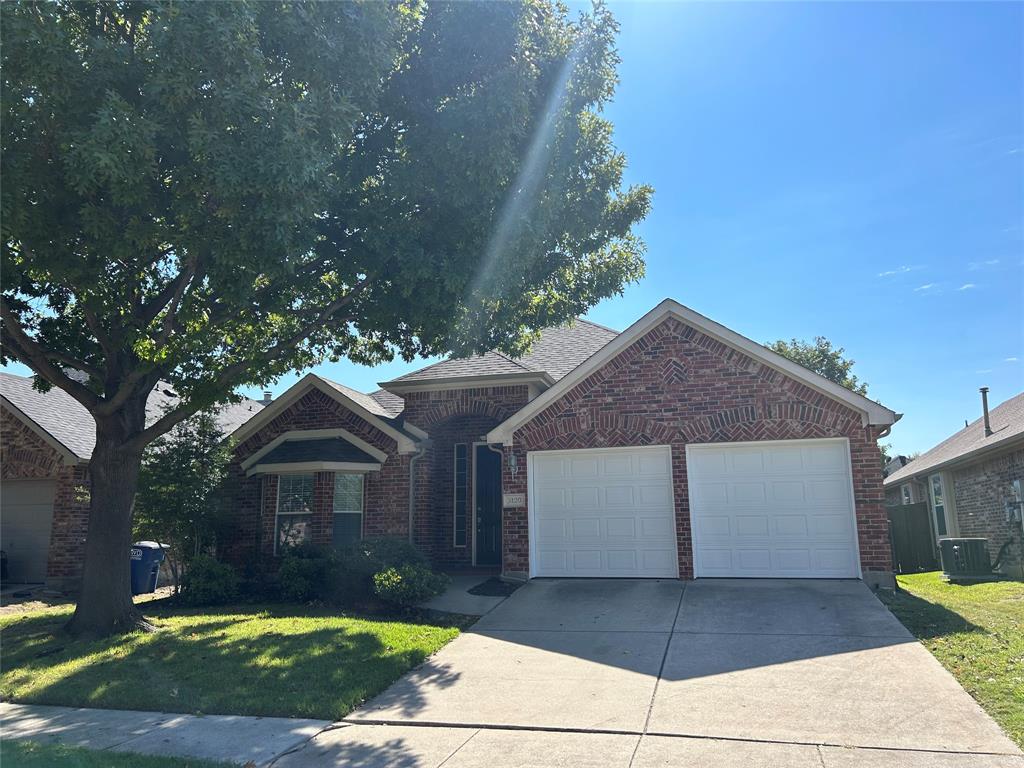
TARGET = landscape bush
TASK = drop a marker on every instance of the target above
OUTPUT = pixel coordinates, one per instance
(348, 575)
(208, 582)
(408, 585)
(307, 574)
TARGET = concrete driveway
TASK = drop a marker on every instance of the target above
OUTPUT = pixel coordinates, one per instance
(658, 673)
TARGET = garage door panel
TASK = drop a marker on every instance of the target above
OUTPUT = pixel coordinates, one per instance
(788, 491)
(748, 461)
(605, 512)
(654, 463)
(618, 466)
(753, 560)
(659, 529)
(584, 498)
(586, 529)
(752, 525)
(621, 527)
(583, 468)
(776, 509)
(550, 529)
(828, 457)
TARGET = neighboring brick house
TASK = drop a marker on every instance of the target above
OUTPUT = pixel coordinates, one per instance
(46, 440)
(972, 482)
(676, 449)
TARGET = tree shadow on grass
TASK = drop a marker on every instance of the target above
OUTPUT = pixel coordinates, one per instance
(239, 663)
(926, 620)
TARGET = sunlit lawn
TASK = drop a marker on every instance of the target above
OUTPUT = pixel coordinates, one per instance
(247, 660)
(24, 754)
(977, 632)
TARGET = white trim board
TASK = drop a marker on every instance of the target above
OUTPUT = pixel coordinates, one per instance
(315, 434)
(312, 466)
(871, 412)
(536, 379)
(406, 444)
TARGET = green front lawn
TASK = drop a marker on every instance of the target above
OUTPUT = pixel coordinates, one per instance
(27, 754)
(243, 660)
(977, 632)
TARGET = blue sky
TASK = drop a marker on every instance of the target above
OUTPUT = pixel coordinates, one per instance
(851, 170)
(835, 169)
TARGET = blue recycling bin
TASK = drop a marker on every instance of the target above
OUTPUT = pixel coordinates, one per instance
(146, 557)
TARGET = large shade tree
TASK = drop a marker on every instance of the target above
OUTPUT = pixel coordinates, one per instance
(206, 195)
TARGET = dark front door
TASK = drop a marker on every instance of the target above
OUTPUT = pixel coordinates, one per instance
(488, 506)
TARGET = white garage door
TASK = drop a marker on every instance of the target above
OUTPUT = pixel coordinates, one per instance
(26, 514)
(775, 509)
(602, 512)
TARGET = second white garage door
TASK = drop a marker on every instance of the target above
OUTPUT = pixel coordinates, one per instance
(773, 509)
(602, 512)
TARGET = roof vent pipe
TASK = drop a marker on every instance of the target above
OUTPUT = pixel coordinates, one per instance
(984, 410)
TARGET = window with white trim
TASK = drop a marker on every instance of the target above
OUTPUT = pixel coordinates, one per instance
(461, 506)
(908, 494)
(938, 493)
(348, 509)
(294, 520)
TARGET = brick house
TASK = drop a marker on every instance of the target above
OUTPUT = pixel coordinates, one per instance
(675, 449)
(971, 482)
(46, 440)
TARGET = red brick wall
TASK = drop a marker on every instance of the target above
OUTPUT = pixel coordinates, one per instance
(980, 491)
(675, 385)
(450, 417)
(26, 456)
(386, 491)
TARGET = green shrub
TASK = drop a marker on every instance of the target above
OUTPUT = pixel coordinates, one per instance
(409, 585)
(208, 581)
(358, 563)
(349, 575)
(307, 573)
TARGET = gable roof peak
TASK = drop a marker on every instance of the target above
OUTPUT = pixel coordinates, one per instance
(872, 413)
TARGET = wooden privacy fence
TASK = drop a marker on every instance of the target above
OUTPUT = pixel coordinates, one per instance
(913, 547)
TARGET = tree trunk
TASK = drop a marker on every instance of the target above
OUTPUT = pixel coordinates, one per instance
(105, 605)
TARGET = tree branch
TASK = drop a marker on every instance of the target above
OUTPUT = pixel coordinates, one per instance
(97, 330)
(171, 293)
(36, 357)
(226, 378)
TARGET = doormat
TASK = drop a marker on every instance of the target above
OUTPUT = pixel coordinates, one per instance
(494, 587)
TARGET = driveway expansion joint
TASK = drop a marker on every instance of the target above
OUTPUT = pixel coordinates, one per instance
(304, 743)
(661, 670)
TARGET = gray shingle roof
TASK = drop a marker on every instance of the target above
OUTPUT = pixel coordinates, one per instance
(366, 401)
(70, 424)
(558, 351)
(331, 449)
(383, 408)
(487, 364)
(389, 401)
(1007, 420)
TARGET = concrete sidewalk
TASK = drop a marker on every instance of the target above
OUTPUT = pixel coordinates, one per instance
(286, 743)
(230, 738)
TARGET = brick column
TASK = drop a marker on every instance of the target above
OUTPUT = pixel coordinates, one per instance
(515, 534)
